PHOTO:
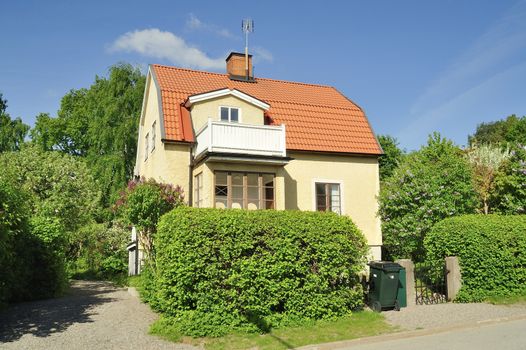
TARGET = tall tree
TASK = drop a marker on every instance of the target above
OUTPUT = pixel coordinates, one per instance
(429, 185)
(485, 161)
(392, 155)
(12, 131)
(100, 124)
(510, 130)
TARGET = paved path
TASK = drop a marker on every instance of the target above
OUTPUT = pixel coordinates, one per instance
(94, 315)
(503, 335)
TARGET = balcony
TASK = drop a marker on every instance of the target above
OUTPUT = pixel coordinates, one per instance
(246, 139)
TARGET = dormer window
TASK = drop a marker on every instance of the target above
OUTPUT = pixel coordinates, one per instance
(229, 114)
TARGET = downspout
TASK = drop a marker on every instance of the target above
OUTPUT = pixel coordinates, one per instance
(190, 178)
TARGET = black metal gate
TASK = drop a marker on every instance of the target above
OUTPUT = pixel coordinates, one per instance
(430, 283)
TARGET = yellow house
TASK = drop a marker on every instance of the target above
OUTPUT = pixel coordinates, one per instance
(235, 141)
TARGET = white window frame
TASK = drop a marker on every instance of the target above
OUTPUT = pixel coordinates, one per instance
(198, 190)
(328, 181)
(154, 125)
(146, 145)
(239, 114)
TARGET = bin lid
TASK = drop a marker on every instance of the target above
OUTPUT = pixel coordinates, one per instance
(388, 266)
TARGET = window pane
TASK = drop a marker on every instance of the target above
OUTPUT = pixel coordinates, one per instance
(253, 204)
(237, 192)
(252, 179)
(320, 189)
(234, 115)
(221, 190)
(269, 204)
(253, 192)
(221, 178)
(221, 202)
(237, 179)
(268, 180)
(224, 114)
(268, 193)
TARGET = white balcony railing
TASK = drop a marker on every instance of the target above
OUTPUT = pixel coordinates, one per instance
(227, 137)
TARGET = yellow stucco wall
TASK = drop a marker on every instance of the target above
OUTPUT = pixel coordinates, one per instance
(201, 111)
(359, 188)
(167, 163)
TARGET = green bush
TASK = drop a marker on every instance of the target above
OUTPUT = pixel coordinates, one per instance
(491, 250)
(222, 270)
(31, 264)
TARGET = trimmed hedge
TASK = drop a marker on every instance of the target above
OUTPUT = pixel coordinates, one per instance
(221, 270)
(491, 250)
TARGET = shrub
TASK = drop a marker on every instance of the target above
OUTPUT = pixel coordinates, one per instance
(100, 251)
(491, 250)
(143, 202)
(428, 186)
(220, 270)
(32, 265)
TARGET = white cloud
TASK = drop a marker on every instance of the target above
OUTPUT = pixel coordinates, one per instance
(166, 46)
(502, 46)
(261, 54)
(194, 23)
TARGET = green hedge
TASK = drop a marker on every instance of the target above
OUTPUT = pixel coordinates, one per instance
(491, 250)
(31, 267)
(221, 270)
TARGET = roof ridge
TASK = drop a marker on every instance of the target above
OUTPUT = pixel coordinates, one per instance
(226, 75)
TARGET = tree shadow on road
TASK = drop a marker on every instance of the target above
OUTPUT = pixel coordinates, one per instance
(45, 317)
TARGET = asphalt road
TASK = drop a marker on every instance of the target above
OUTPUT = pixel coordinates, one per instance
(510, 335)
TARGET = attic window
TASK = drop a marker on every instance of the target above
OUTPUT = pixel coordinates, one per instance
(229, 114)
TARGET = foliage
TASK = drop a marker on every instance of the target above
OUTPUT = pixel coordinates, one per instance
(509, 190)
(220, 270)
(485, 160)
(99, 124)
(12, 131)
(357, 325)
(491, 250)
(508, 131)
(32, 265)
(392, 156)
(59, 186)
(428, 186)
(100, 251)
(142, 204)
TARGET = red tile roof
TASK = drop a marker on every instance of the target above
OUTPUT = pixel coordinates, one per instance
(317, 117)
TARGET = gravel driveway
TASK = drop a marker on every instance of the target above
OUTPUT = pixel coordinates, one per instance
(93, 315)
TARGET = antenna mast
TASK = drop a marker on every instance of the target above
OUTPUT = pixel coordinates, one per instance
(247, 26)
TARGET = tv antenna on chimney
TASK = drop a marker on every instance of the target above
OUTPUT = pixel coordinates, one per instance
(247, 25)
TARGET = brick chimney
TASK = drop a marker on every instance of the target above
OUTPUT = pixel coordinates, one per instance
(236, 67)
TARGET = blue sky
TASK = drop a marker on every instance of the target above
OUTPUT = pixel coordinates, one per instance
(414, 66)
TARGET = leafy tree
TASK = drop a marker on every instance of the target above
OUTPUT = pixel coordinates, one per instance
(510, 130)
(509, 191)
(428, 186)
(485, 161)
(143, 203)
(99, 124)
(392, 156)
(12, 131)
(59, 185)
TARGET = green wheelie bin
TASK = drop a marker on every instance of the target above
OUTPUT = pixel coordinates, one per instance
(386, 286)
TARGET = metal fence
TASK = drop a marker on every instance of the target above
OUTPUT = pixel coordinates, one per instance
(430, 283)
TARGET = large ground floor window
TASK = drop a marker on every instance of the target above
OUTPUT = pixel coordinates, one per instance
(244, 190)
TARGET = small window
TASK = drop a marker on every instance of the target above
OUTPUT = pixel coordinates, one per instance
(198, 190)
(146, 145)
(153, 135)
(328, 197)
(229, 114)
